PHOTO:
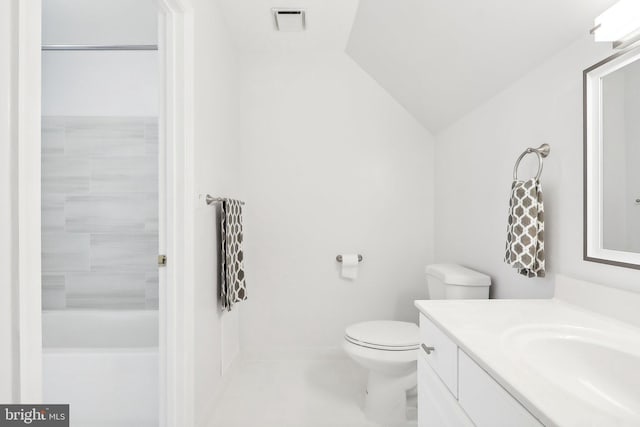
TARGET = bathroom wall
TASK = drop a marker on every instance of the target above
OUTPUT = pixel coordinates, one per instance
(475, 158)
(100, 21)
(125, 83)
(99, 212)
(331, 164)
(217, 172)
(99, 158)
(8, 247)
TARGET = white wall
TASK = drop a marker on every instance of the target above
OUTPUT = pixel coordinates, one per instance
(443, 59)
(475, 158)
(99, 22)
(100, 83)
(105, 83)
(8, 282)
(216, 172)
(331, 164)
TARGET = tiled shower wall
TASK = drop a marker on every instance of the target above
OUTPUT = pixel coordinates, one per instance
(99, 212)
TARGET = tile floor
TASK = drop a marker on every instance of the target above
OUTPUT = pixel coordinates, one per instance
(295, 393)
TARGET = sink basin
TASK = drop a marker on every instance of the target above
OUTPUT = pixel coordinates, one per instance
(600, 369)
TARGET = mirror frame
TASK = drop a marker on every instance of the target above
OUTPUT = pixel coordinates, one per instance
(592, 158)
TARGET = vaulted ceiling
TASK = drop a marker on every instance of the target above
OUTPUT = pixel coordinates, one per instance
(252, 27)
(440, 59)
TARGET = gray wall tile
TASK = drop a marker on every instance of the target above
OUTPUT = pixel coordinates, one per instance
(152, 290)
(53, 299)
(105, 137)
(65, 175)
(110, 213)
(103, 283)
(106, 290)
(53, 137)
(53, 218)
(54, 281)
(65, 252)
(132, 174)
(100, 212)
(53, 292)
(124, 252)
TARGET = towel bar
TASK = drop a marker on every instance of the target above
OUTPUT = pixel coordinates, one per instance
(339, 258)
(210, 199)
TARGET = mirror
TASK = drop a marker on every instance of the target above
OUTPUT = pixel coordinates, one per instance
(612, 160)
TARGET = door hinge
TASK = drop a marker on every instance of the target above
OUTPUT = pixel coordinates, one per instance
(162, 260)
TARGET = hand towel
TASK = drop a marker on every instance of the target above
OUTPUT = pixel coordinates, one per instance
(233, 287)
(525, 229)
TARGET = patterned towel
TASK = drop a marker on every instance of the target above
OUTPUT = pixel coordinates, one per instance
(525, 231)
(233, 288)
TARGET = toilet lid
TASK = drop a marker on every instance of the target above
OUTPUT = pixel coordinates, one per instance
(384, 334)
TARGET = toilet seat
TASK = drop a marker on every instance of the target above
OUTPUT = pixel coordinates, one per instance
(387, 335)
(389, 351)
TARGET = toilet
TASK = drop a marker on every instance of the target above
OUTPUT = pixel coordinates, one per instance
(388, 349)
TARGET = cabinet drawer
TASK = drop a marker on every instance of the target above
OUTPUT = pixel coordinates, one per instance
(444, 358)
(486, 402)
(436, 406)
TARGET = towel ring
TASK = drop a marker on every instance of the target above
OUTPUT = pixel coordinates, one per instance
(541, 152)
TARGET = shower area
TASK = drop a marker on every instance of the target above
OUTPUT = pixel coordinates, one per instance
(100, 210)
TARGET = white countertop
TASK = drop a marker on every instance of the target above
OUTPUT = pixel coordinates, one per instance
(481, 328)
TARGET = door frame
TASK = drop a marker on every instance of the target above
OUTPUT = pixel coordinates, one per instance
(176, 142)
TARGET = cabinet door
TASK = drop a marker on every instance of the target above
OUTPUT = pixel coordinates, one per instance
(443, 357)
(436, 405)
(486, 402)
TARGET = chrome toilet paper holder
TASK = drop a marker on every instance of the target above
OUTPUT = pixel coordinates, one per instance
(339, 258)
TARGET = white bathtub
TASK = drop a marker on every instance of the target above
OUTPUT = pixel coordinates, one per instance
(104, 364)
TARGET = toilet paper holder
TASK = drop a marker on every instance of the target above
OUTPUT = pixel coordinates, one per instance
(339, 258)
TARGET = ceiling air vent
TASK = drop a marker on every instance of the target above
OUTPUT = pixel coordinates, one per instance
(289, 19)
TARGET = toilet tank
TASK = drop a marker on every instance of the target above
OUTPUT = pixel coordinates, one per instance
(452, 281)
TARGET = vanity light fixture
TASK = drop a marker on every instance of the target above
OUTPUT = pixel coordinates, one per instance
(619, 24)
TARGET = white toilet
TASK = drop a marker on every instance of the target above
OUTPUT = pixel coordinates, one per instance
(388, 349)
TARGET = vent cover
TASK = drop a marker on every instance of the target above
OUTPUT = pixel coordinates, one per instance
(289, 20)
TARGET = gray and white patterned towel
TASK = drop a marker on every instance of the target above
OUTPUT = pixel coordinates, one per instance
(233, 287)
(525, 231)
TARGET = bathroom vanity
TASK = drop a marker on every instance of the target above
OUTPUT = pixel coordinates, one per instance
(568, 361)
(454, 390)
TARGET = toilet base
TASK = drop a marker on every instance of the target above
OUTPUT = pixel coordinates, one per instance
(386, 397)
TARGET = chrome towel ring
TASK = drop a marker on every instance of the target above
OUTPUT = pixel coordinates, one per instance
(542, 152)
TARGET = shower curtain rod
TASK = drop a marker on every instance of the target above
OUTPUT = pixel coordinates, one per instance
(99, 47)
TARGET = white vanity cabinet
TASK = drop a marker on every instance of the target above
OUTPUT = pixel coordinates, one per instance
(453, 391)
